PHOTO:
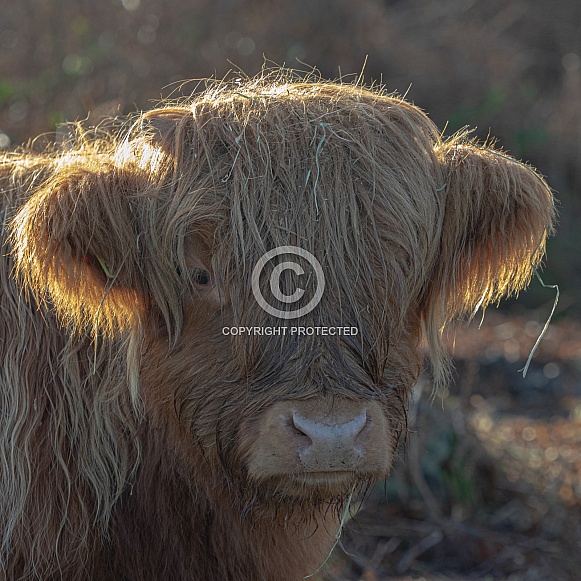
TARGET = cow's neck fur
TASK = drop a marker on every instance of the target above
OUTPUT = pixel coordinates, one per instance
(167, 527)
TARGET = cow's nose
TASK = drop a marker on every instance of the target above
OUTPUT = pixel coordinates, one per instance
(331, 443)
(338, 438)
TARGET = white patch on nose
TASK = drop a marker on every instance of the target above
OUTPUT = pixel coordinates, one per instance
(333, 445)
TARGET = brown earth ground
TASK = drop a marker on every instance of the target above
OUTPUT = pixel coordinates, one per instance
(488, 483)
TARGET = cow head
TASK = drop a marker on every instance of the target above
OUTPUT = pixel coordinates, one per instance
(151, 240)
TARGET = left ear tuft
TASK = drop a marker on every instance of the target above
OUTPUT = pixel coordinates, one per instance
(498, 213)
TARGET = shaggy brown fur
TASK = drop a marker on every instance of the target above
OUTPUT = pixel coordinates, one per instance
(129, 420)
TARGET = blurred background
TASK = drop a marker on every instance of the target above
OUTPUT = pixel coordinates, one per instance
(489, 482)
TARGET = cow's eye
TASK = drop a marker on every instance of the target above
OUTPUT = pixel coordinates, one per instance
(201, 277)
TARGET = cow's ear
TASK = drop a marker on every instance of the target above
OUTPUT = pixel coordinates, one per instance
(75, 244)
(497, 215)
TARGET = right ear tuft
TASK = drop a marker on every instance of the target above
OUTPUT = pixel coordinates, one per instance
(74, 244)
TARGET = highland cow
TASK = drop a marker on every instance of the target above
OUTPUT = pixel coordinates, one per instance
(158, 422)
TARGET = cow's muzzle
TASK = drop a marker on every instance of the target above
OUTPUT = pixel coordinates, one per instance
(320, 441)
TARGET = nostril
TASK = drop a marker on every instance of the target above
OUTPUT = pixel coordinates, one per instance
(297, 432)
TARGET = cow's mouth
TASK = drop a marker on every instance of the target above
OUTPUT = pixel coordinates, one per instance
(313, 487)
(316, 479)
(329, 483)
